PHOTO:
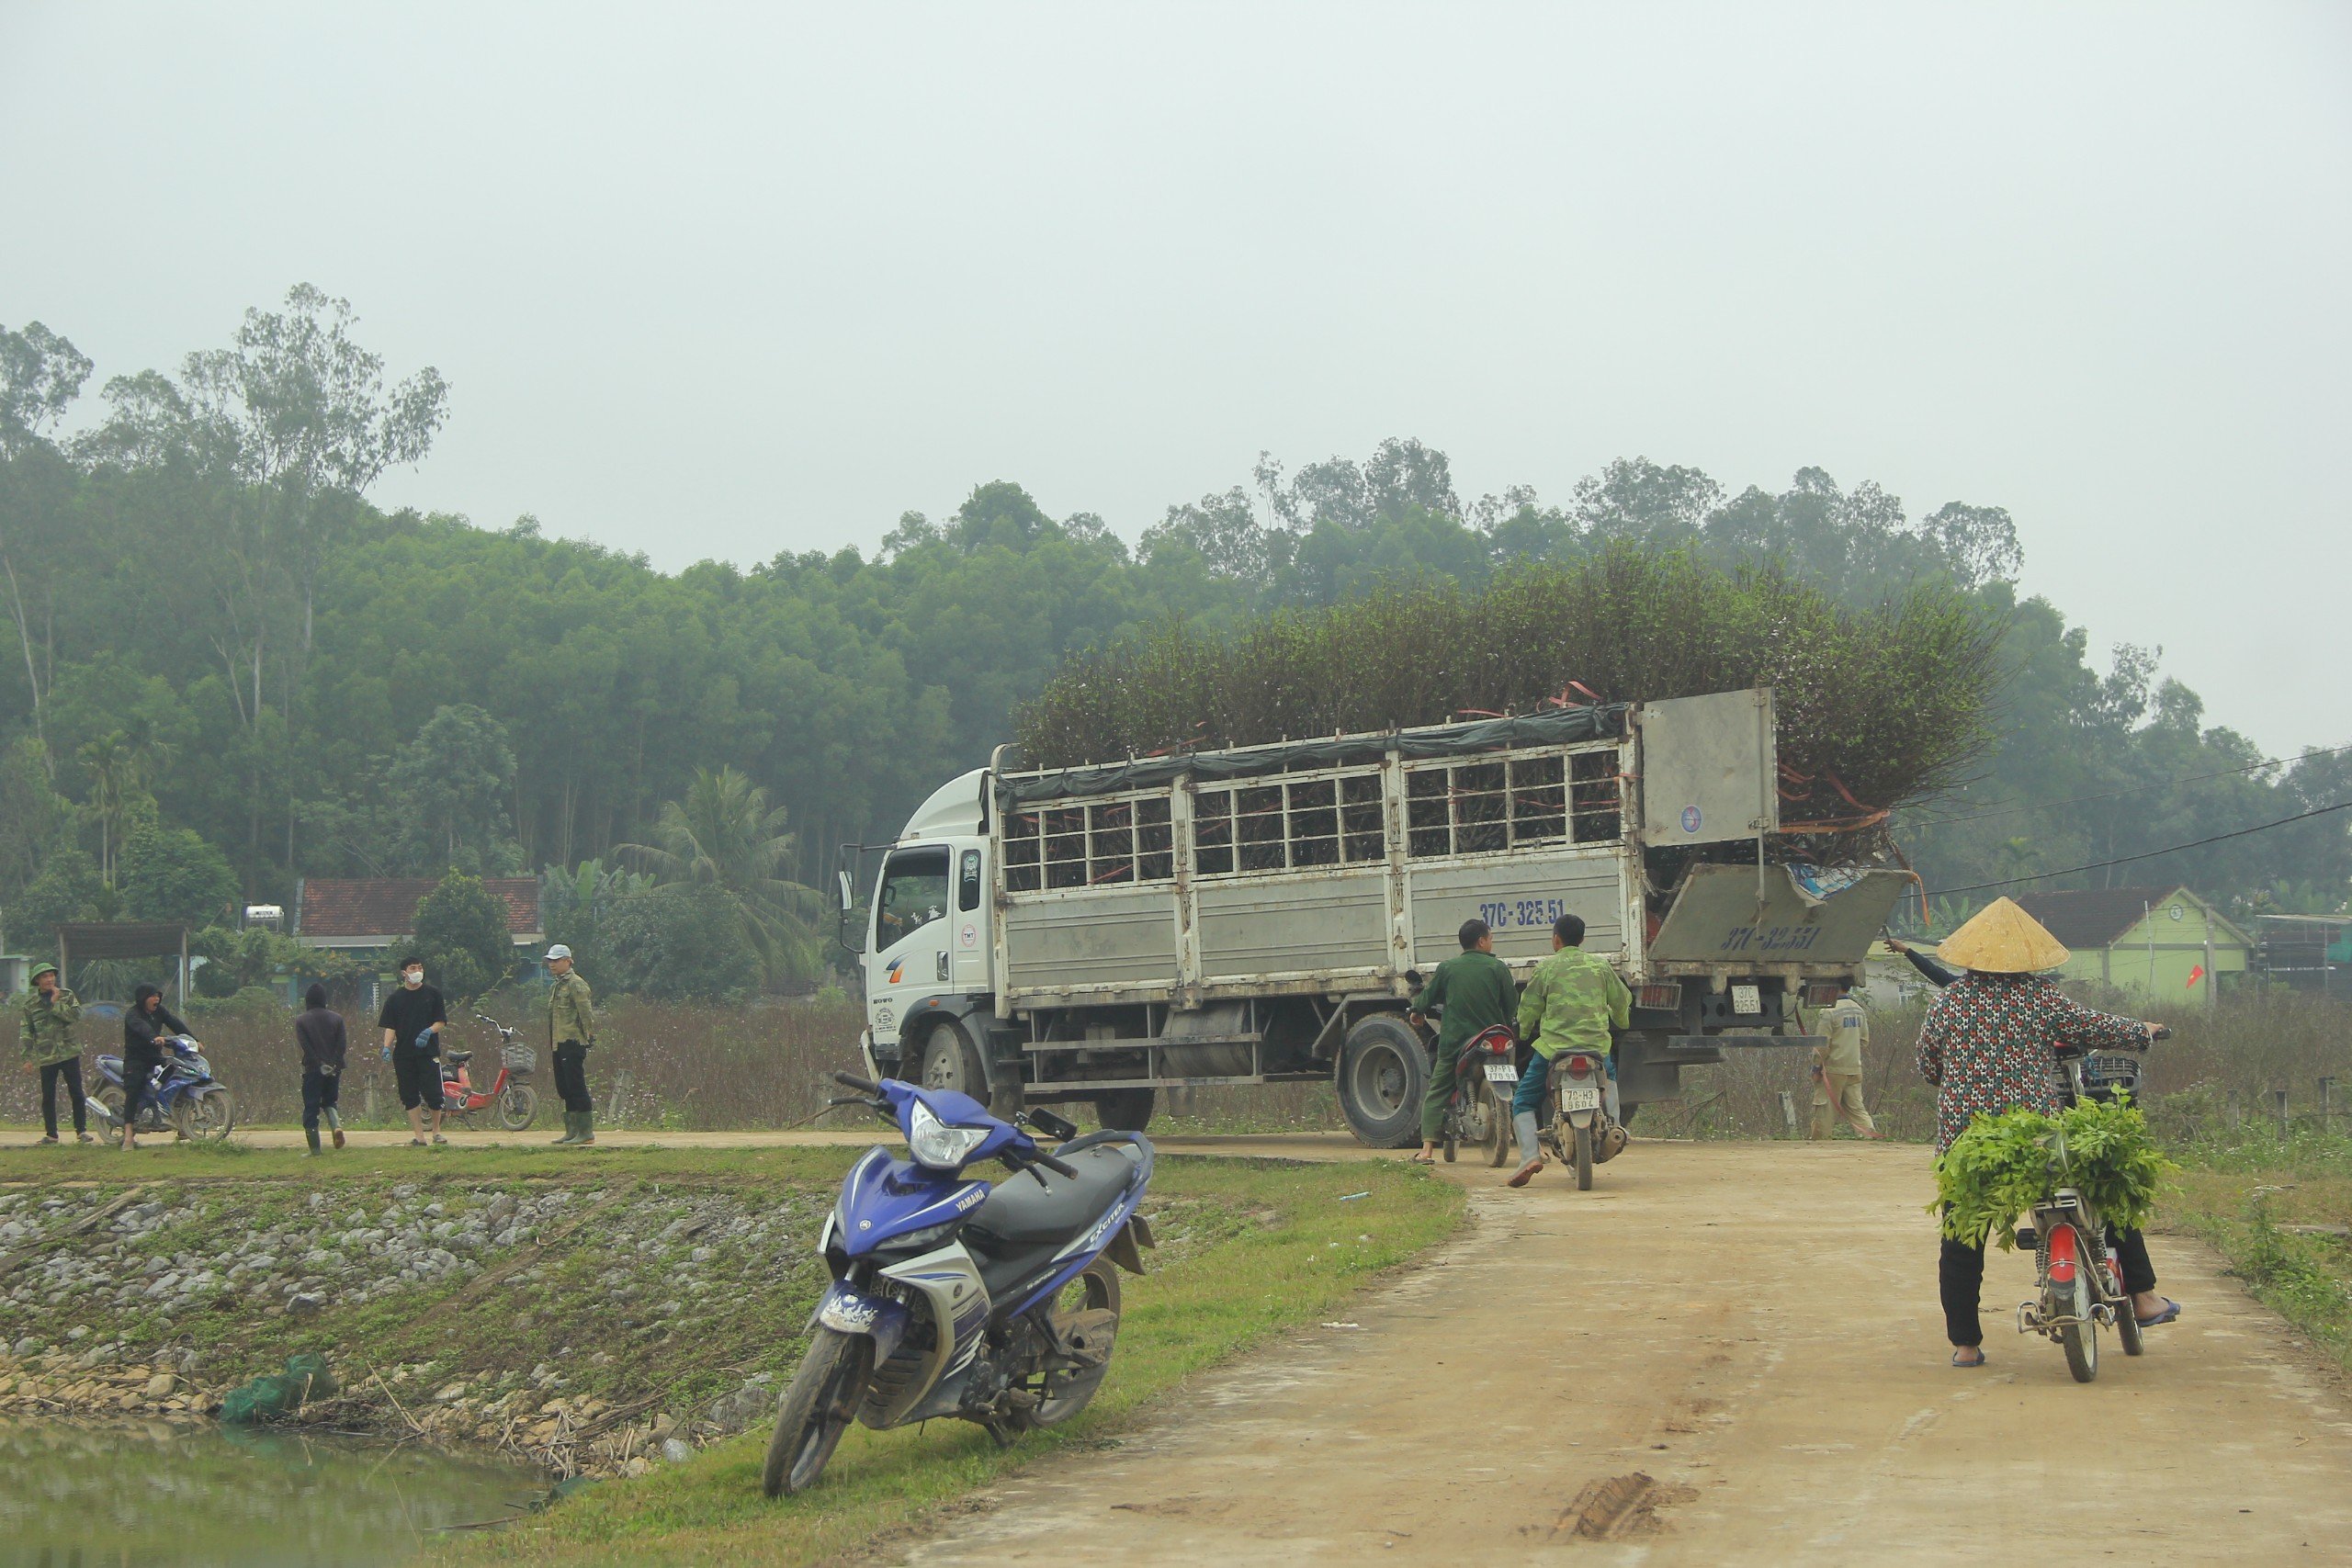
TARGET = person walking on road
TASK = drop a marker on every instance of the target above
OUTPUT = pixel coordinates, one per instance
(571, 1030)
(1988, 1045)
(46, 1034)
(1574, 999)
(1476, 991)
(143, 1028)
(1837, 1069)
(411, 1019)
(319, 1032)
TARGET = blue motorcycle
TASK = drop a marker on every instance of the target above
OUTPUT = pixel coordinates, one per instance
(994, 1304)
(182, 1096)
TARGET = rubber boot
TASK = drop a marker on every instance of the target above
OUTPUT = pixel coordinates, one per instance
(587, 1129)
(570, 1130)
(310, 1137)
(1531, 1154)
(335, 1120)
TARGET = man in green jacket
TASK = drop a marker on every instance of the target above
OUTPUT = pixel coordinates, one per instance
(1476, 989)
(45, 1033)
(571, 1029)
(1572, 1002)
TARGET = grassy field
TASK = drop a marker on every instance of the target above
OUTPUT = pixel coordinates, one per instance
(1305, 1243)
(2278, 1211)
(652, 1281)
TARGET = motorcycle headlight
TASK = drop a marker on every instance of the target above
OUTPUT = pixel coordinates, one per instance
(937, 1145)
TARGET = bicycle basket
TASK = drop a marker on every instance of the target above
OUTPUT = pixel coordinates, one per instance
(2105, 1073)
(519, 1058)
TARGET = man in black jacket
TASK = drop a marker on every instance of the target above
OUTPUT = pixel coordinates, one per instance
(411, 1019)
(319, 1032)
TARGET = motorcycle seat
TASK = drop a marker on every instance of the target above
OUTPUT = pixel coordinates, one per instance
(1019, 1214)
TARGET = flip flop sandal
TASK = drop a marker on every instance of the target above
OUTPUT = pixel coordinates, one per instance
(1975, 1365)
(1424, 1159)
(2172, 1310)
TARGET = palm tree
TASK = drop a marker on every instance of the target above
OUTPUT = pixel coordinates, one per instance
(725, 835)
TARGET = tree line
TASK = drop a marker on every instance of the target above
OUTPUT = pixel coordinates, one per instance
(231, 669)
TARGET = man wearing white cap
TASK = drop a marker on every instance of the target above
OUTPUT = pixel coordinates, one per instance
(571, 1029)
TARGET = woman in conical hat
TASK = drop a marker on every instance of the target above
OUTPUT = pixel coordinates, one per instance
(1989, 1045)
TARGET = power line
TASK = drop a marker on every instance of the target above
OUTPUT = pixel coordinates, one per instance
(2013, 807)
(2145, 854)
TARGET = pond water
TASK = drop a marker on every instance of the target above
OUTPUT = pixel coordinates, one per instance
(149, 1496)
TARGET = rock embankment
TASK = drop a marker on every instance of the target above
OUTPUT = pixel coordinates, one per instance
(592, 1329)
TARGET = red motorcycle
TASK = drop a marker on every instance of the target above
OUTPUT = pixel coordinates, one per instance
(517, 1103)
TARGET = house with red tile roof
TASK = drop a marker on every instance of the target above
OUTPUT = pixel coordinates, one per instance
(371, 914)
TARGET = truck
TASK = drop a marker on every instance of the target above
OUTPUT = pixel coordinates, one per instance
(1261, 914)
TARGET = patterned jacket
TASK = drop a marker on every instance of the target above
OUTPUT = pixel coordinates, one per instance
(1989, 1045)
(45, 1030)
(569, 1014)
(1573, 1000)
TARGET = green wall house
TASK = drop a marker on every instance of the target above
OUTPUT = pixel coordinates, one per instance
(2165, 944)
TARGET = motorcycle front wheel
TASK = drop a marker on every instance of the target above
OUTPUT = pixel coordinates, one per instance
(516, 1107)
(817, 1408)
(208, 1113)
(2079, 1339)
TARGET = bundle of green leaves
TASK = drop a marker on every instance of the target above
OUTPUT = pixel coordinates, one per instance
(2004, 1165)
(1896, 700)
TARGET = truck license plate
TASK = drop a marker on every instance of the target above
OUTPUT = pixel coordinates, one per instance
(1502, 1072)
(1746, 999)
(1579, 1097)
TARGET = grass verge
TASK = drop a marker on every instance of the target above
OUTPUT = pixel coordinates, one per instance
(2277, 1211)
(1306, 1243)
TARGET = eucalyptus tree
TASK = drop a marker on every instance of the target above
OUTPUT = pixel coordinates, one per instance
(40, 375)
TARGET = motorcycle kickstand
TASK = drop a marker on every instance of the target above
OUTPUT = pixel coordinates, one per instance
(1001, 1431)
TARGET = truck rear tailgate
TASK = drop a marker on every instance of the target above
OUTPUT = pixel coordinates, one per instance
(1717, 920)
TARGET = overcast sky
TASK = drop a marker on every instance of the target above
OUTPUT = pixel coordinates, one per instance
(714, 282)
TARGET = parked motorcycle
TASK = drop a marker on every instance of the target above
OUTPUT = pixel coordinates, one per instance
(1582, 1129)
(182, 1096)
(953, 1298)
(516, 1101)
(2078, 1276)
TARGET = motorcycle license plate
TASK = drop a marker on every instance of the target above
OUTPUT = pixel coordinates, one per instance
(1502, 1072)
(1579, 1097)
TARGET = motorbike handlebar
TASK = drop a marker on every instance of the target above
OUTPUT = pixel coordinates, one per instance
(850, 1080)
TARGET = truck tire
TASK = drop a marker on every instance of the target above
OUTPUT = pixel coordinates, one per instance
(950, 1061)
(1384, 1072)
(1125, 1109)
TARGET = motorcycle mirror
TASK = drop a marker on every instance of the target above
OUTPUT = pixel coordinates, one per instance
(1052, 1126)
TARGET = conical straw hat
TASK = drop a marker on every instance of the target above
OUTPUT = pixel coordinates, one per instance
(2002, 938)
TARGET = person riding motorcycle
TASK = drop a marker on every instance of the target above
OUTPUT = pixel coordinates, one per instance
(1475, 990)
(143, 1028)
(1573, 1001)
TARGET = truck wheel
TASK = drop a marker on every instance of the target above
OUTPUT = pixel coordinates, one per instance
(950, 1061)
(1125, 1109)
(1383, 1074)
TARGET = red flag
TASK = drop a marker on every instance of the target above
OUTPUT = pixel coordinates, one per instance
(2194, 976)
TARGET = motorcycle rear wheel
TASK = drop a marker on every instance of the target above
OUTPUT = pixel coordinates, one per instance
(207, 1114)
(1096, 1289)
(2127, 1332)
(1584, 1159)
(817, 1408)
(1498, 1125)
(517, 1107)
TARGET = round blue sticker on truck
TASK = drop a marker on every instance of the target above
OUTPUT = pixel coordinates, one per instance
(1689, 819)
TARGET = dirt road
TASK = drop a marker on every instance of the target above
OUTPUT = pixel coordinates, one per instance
(1726, 1353)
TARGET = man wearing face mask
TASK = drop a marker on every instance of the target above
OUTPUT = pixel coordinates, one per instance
(411, 1020)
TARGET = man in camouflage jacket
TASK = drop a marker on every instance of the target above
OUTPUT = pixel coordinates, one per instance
(45, 1033)
(571, 1029)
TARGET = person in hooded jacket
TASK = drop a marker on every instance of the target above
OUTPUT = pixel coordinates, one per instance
(143, 1028)
(319, 1032)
